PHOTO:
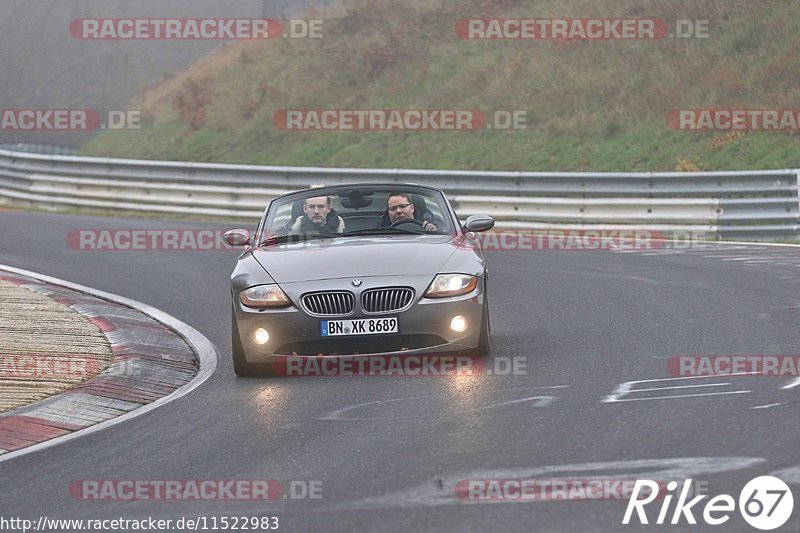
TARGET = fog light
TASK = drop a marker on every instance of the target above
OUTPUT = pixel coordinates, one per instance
(261, 336)
(458, 324)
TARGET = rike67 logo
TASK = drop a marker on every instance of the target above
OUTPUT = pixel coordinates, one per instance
(765, 503)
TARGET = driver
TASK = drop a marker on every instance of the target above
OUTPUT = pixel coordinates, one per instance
(400, 207)
(319, 217)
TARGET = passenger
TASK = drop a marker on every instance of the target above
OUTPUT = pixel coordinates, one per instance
(400, 207)
(319, 217)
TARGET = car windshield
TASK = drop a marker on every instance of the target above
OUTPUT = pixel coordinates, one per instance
(333, 212)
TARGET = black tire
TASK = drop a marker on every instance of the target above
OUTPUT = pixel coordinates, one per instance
(241, 366)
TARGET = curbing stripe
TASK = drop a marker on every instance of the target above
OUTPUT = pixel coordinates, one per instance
(109, 396)
(160, 341)
(102, 310)
(67, 411)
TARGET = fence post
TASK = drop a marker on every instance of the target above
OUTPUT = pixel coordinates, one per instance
(797, 227)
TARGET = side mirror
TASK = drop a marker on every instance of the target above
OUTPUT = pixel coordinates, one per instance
(478, 223)
(237, 237)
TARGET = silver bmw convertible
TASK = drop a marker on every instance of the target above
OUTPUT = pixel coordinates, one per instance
(358, 270)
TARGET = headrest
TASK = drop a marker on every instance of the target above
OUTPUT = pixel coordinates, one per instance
(297, 210)
(419, 204)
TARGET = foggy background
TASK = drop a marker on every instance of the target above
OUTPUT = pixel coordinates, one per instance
(43, 66)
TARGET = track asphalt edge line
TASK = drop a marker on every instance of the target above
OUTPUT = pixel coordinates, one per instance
(205, 350)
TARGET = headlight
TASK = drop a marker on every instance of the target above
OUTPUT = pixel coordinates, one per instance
(445, 285)
(264, 296)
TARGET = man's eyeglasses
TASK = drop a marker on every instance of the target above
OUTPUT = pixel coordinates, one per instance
(399, 206)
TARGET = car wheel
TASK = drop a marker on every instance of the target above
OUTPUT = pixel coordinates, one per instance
(241, 366)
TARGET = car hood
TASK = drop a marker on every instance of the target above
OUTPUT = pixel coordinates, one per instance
(357, 257)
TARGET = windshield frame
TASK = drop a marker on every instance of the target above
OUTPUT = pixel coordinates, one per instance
(369, 188)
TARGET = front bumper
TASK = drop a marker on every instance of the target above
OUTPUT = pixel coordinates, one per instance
(424, 328)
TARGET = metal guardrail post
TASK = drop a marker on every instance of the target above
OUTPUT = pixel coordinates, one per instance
(797, 227)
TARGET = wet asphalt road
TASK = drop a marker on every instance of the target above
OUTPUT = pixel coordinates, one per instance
(389, 451)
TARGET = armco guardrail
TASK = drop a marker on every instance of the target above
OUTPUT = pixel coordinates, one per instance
(39, 148)
(752, 204)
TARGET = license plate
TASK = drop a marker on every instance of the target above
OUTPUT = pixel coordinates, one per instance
(359, 326)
